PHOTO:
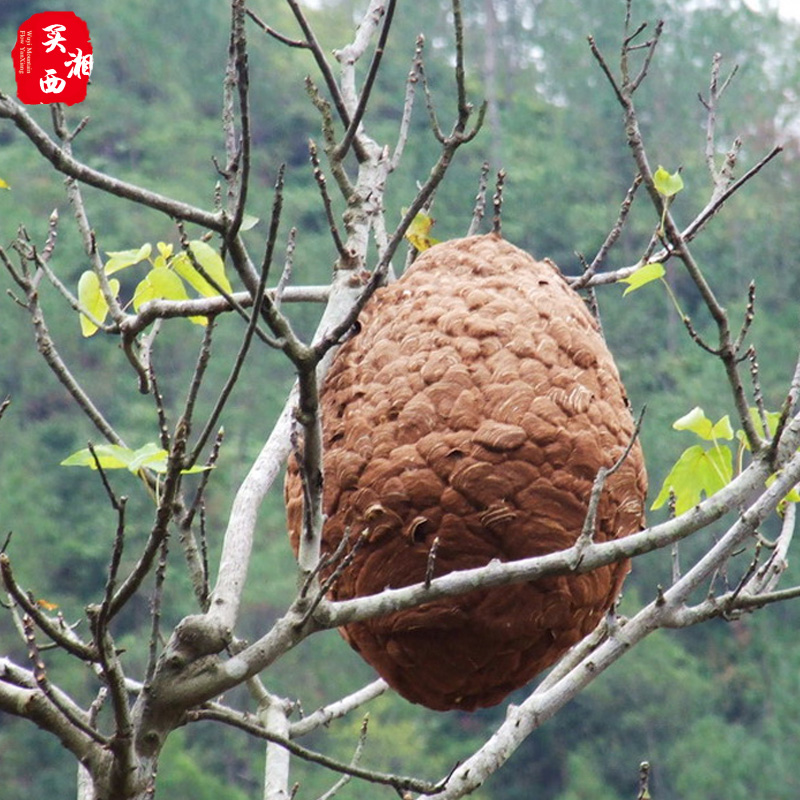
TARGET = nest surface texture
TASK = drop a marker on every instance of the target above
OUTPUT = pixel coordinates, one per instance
(473, 409)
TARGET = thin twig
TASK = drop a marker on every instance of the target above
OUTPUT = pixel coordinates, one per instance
(231, 301)
(67, 165)
(319, 177)
(497, 202)
(164, 514)
(408, 103)
(479, 209)
(354, 761)
(155, 612)
(590, 520)
(612, 238)
(238, 54)
(322, 717)
(258, 300)
(235, 719)
(431, 563)
(72, 715)
(644, 781)
(322, 62)
(726, 354)
(363, 99)
(114, 678)
(288, 266)
(270, 31)
(69, 643)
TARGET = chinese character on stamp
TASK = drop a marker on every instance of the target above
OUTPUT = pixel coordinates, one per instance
(52, 58)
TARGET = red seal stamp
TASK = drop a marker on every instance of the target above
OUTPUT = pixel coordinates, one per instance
(52, 58)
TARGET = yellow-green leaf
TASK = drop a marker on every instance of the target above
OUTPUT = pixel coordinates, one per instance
(667, 185)
(697, 422)
(4, 185)
(92, 300)
(792, 496)
(647, 273)
(162, 284)
(248, 222)
(120, 259)
(209, 259)
(419, 230)
(773, 418)
(110, 456)
(149, 455)
(114, 456)
(159, 284)
(161, 261)
(722, 429)
(696, 472)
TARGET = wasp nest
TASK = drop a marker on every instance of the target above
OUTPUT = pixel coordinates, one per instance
(473, 410)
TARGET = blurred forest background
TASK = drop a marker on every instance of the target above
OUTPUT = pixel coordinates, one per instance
(716, 710)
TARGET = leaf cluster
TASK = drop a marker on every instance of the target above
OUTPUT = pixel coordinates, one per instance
(199, 267)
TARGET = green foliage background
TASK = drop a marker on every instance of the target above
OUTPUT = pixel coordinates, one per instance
(715, 709)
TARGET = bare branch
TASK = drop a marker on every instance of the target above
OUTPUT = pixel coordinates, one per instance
(54, 630)
(574, 559)
(726, 351)
(611, 239)
(20, 696)
(164, 514)
(480, 201)
(497, 202)
(364, 95)
(270, 31)
(233, 718)
(322, 62)
(63, 704)
(65, 163)
(319, 177)
(408, 104)
(238, 59)
(323, 716)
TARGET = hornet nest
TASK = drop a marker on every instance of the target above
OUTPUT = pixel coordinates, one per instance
(473, 409)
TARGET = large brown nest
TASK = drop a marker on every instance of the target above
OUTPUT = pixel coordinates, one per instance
(473, 409)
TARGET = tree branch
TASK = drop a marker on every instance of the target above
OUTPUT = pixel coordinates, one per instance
(66, 164)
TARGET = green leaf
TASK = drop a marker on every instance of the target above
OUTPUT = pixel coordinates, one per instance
(162, 284)
(113, 456)
(161, 261)
(697, 422)
(209, 259)
(773, 417)
(793, 496)
(110, 456)
(159, 284)
(419, 230)
(647, 273)
(149, 456)
(91, 298)
(195, 469)
(667, 185)
(697, 471)
(120, 259)
(248, 222)
(722, 429)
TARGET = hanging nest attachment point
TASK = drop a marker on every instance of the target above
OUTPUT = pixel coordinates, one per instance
(470, 416)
